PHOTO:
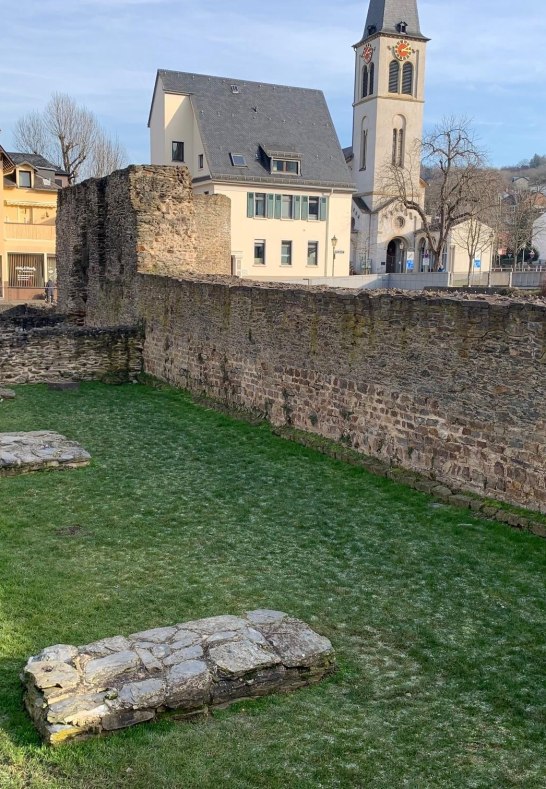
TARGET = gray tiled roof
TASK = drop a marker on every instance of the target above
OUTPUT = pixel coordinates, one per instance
(263, 117)
(35, 160)
(386, 14)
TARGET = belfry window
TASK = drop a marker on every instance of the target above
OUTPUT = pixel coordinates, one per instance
(394, 76)
(407, 79)
(364, 82)
(372, 79)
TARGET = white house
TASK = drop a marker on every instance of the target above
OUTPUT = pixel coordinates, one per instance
(273, 150)
(539, 237)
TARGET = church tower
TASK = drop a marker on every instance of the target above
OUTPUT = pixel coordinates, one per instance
(387, 119)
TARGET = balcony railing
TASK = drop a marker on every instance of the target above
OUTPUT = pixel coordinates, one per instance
(19, 231)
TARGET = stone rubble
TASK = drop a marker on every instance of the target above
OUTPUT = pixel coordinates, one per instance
(6, 394)
(80, 692)
(39, 449)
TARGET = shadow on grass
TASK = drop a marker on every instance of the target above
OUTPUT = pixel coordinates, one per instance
(14, 719)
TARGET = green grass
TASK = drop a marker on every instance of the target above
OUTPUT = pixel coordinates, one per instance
(438, 617)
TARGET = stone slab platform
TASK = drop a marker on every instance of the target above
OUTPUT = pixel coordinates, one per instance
(78, 692)
(40, 449)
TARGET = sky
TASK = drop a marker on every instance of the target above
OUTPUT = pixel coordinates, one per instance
(485, 59)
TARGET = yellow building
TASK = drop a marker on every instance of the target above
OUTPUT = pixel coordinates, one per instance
(28, 205)
(273, 150)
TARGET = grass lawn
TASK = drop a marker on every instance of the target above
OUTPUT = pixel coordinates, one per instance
(438, 617)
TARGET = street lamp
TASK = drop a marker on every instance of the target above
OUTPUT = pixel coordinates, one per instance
(334, 245)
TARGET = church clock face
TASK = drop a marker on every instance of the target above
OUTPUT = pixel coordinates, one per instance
(367, 53)
(402, 50)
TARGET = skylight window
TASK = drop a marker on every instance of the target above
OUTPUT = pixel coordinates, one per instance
(238, 160)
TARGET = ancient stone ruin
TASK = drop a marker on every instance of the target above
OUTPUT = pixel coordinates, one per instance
(37, 450)
(78, 692)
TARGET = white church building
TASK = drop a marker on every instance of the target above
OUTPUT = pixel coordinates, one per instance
(389, 98)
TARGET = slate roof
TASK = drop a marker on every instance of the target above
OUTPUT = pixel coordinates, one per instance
(384, 15)
(262, 117)
(37, 161)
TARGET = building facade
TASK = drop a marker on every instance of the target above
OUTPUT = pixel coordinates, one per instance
(271, 149)
(539, 237)
(28, 206)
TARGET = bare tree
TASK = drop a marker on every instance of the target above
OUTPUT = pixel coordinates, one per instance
(521, 209)
(70, 136)
(474, 236)
(457, 181)
(481, 230)
(108, 155)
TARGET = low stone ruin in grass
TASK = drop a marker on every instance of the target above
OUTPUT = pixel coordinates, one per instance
(77, 692)
(40, 449)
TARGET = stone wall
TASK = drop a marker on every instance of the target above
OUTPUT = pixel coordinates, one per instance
(54, 353)
(141, 219)
(451, 388)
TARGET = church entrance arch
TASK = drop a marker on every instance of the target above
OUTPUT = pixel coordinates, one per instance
(396, 256)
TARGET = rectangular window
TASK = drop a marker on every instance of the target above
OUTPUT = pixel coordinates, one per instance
(312, 253)
(25, 179)
(201, 161)
(314, 209)
(286, 253)
(177, 151)
(259, 253)
(238, 160)
(287, 209)
(364, 151)
(25, 214)
(259, 204)
(290, 166)
(25, 271)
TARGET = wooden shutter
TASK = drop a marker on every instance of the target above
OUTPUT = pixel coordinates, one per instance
(323, 210)
(250, 204)
(305, 207)
(270, 206)
(278, 206)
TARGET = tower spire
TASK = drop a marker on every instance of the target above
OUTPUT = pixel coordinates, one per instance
(397, 17)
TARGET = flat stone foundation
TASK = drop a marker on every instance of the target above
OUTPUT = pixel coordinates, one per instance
(40, 449)
(78, 692)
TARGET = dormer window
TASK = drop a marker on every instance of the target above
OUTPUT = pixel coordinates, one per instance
(289, 166)
(402, 27)
(371, 30)
(25, 179)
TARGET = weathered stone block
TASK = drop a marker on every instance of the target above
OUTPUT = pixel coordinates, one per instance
(77, 692)
(40, 449)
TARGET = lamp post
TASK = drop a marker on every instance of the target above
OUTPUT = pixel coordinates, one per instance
(334, 245)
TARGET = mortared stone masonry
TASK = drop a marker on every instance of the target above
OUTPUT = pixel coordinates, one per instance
(450, 387)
